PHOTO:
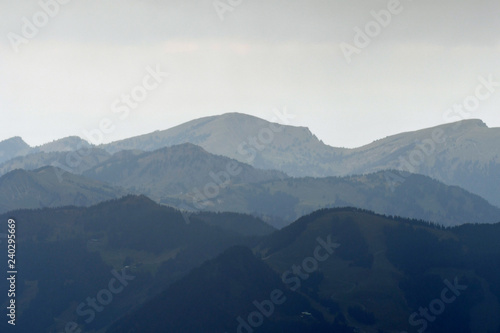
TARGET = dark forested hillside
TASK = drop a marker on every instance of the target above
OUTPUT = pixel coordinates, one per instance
(343, 270)
(68, 254)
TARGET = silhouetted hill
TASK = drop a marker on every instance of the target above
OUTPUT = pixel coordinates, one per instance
(221, 296)
(383, 270)
(66, 255)
(340, 267)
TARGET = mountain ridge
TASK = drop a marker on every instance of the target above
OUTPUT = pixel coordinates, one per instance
(465, 153)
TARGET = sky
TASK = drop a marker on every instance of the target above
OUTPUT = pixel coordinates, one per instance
(351, 71)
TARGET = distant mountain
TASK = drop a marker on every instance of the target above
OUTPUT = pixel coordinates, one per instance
(188, 177)
(51, 187)
(179, 170)
(13, 147)
(248, 139)
(419, 197)
(65, 144)
(71, 254)
(466, 154)
(75, 162)
(351, 269)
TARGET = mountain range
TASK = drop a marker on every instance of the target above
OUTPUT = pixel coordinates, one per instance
(187, 177)
(15, 147)
(187, 167)
(465, 153)
(235, 224)
(419, 197)
(177, 170)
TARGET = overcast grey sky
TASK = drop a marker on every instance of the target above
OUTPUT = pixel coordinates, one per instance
(264, 54)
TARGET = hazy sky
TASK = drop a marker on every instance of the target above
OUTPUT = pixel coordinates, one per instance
(265, 54)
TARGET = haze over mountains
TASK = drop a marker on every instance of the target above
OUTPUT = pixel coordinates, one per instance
(173, 171)
(75, 161)
(51, 187)
(187, 177)
(15, 147)
(186, 166)
(466, 153)
(418, 197)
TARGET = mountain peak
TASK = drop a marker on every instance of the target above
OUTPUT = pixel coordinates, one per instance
(466, 123)
(65, 144)
(15, 173)
(14, 140)
(238, 115)
(13, 147)
(473, 123)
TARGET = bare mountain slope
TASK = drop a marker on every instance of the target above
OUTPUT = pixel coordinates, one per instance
(248, 139)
